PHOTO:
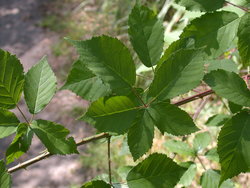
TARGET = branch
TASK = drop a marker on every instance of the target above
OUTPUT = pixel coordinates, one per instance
(47, 154)
(99, 136)
(240, 7)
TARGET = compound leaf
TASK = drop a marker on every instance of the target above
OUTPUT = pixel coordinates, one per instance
(180, 73)
(156, 171)
(201, 141)
(201, 5)
(40, 86)
(244, 39)
(53, 136)
(8, 123)
(5, 178)
(115, 114)
(11, 80)
(171, 119)
(229, 85)
(233, 146)
(141, 134)
(84, 83)
(146, 34)
(179, 147)
(109, 59)
(20, 143)
(214, 30)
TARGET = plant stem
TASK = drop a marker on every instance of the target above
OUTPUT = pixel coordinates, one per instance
(203, 166)
(144, 104)
(240, 7)
(22, 114)
(201, 106)
(109, 161)
(47, 154)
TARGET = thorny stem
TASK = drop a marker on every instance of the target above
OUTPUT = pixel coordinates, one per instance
(109, 161)
(240, 7)
(98, 136)
(22, 114)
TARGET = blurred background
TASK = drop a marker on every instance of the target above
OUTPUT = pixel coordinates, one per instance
(34, 28)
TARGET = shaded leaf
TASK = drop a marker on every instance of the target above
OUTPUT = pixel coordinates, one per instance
(8, 123)
(5, 178)
(229, 85)
(109, 59)
(217, 120)
(146, 34)
(180, 73)
(20, 143)
(201, 141)
(11, 80)
(96, 184)
(141, 134)
(156, 171)
(214, 30)
(171, 119)
(84, 83)
(181, 148)
(211, 178)
(225, 64)
(40, 86)
(115, 114)
(244, 39)
(233, 146)
(53, 136)
(212, 155)
(201, 5)
(234, 108)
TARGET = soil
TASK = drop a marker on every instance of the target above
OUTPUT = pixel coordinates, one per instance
(21, 35)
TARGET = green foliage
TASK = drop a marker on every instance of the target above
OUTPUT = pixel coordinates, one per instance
(5, 179)
(8, 123)
(96, 184)
(20, 144)
(201, 141)
(179, 147)
(224, 64)
(84, 83)
(11, 80)
(217, 120)
(53, 136)
(146, 34)
(230, 86)
(40, 86)
(189, 175)
(201, 5)
(244, 39)
(233, 146)
(157, 171)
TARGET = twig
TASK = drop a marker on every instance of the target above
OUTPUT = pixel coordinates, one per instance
(201, 106)
(22, 114)
(133, 90)
(109, 161)
(203, 166)
(240, 7)
(47, 154)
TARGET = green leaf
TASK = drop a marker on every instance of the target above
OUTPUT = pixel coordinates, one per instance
(211, 178)
(8, 123)
(224, 64)
(5, 178)
(40, 86)
(11, 80)
(234, 108)
(20, 143)
(189, 175)
(180, 73)
(217, 120)
(179, 147)
(244, 39)
(212, 155)
(233, 146)
(116, 114)
(229, 85)
(53, 136)
(84, 83)
(141, 134)
(156, 171)
(109, 59)
(214, 30)
(201, 5)
(146, 34)
(201, 141)
(96, 184)
(171, 119)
